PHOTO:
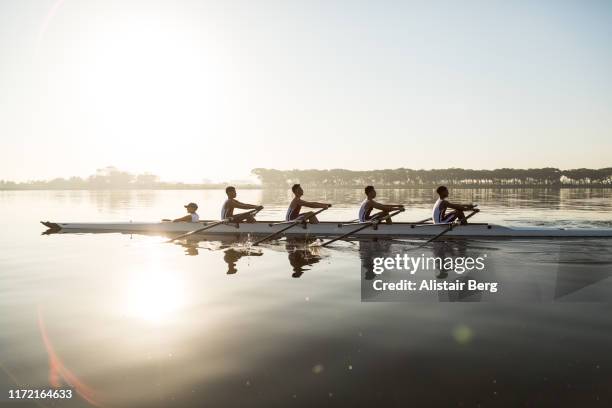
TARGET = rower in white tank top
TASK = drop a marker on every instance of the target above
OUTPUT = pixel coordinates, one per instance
(439, 215)
(365, 210)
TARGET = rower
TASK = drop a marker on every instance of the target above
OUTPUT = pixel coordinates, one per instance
(192, 216)
(365, 211)
(227, 211)
(440, 213)
(293, 212)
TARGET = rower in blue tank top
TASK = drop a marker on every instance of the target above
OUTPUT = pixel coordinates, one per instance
(293, 212)
(365, 211)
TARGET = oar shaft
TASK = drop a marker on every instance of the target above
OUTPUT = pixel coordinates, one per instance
(450, 228)
(209, 226)
(346, 235)
(369, 224)
(277, 233)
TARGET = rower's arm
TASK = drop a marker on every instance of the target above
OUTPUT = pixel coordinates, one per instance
(183, 219)
(243, 206)
(460, 207)
(386, 207)
(314, 204)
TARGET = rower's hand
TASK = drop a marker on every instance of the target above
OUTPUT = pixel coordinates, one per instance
(328, 205)
(259, 207)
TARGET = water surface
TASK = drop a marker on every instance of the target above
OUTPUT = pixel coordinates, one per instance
(130, 321)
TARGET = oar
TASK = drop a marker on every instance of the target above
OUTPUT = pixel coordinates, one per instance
(411, 223)
(368, 224)
(209, 226)
(293, 224)
(450, 227)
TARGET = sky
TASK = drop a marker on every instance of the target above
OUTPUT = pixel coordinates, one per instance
(194, 90)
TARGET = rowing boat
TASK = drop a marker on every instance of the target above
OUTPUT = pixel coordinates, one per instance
(395, 230)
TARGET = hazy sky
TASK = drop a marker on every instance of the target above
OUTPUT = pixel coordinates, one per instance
(200, 89)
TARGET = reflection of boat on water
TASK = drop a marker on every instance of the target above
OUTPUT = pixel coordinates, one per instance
(399, 229)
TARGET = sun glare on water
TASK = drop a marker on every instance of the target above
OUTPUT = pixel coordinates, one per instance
(155, 295)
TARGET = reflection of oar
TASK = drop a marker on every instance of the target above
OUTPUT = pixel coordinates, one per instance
(367, 224)
(450, 227)
(291, 225)
(209, 226)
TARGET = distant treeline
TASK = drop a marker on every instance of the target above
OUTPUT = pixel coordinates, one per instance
(110, 178)
(545, 177)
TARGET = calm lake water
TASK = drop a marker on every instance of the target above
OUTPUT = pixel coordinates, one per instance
(131, 321)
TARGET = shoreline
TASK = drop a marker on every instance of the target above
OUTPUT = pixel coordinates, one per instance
(318, 187)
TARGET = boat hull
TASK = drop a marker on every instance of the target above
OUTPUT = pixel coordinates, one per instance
(399, 229)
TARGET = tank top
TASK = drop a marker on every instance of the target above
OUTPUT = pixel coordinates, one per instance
(439, 211)
(227, 210)
(293, 212)
(364, 211)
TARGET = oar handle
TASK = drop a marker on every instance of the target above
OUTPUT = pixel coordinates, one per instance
(255, 210)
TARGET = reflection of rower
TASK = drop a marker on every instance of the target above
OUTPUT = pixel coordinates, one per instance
(300, 256)
(368, 250)
(369, 204)
(232, 255)
(227, 211)
(293, 212)
(440, 213)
